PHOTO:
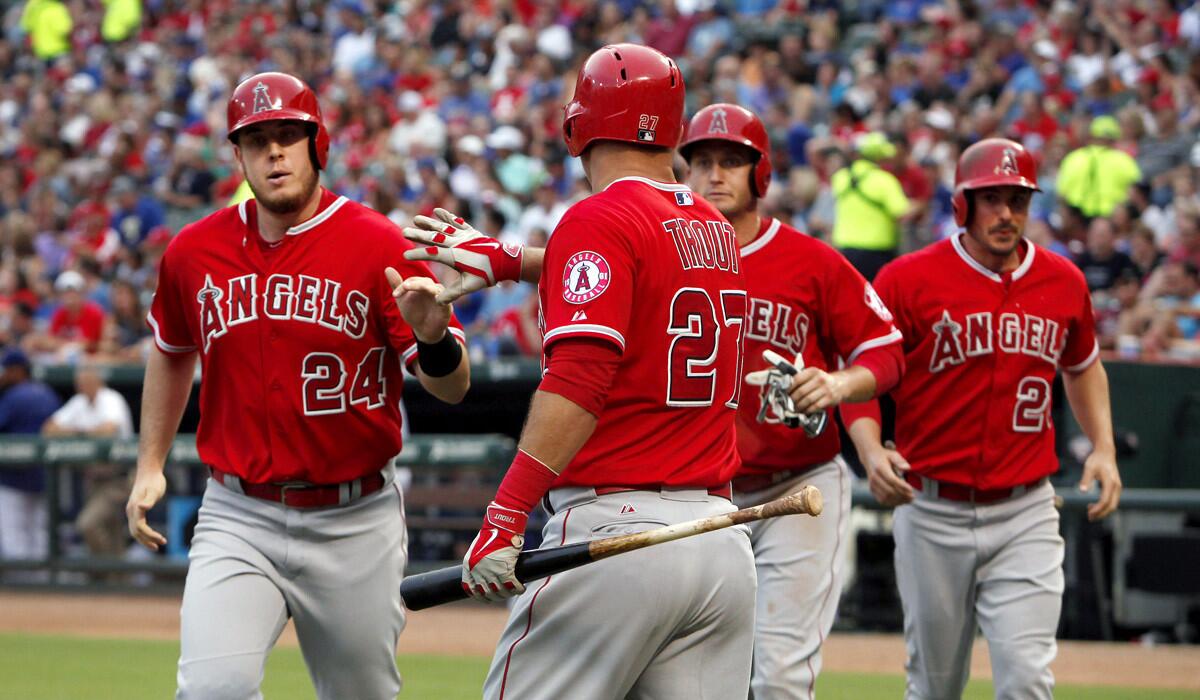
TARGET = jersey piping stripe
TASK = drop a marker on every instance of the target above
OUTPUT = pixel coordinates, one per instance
(758, 244)
(411, 351)
(301, 228)
(837, 546)
(529, 619)
(162, 344)
(664, 186)
(1075, 369)
(584, 329)
(318, 219)
(894, 337)
(974, 264)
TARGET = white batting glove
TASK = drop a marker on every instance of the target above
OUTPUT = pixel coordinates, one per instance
(489, 567)
(777, 403)
(480, 260)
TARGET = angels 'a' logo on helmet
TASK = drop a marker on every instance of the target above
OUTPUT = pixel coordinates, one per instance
(262, 100)
(1008, 163)
(718, 125)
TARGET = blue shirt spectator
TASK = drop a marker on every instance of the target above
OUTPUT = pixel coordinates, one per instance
(24, 406)
(136, 214)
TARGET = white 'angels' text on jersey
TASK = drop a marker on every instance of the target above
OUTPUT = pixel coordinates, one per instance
(981, 334)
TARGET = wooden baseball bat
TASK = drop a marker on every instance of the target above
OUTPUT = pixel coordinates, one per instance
(445, 585)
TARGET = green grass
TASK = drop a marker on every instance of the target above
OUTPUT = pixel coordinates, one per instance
(36, 667)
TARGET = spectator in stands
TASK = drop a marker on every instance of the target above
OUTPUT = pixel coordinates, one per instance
(1102, 264)
(25, 405)
(1186, 244)
(1143, 251)
(98, 411)
(1174, 317)
(870, 206)
(190, 184)
(49, 24)
(76, 325)
(418, 130)
(1164, 148)
(121, 19)
(125, 330)
(93, 237)
(136, 214)
(1096, 178)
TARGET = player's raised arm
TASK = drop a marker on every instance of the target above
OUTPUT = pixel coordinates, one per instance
(442, 366)
(480, 260)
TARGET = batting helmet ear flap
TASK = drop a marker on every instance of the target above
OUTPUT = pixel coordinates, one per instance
(961, 205)
(762, 175)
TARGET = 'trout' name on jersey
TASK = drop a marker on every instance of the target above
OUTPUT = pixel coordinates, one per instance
(709, 244)
(284, 297)
(1023, 334)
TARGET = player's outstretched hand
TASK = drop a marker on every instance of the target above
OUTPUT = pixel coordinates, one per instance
(480, 260)
(148, 489)
(885, 468)
(489, 567)
(1101, 467)
(417, 299)
(814, 390)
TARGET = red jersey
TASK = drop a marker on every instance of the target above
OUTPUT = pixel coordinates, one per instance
(299, 342)
(653, 269)
(83, 326)
(981, 349)
(804, 298)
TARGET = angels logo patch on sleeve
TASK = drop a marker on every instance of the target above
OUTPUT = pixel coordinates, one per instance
(585, 277)
(881, 310)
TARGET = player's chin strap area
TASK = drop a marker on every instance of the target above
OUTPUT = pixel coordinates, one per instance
(777, 403)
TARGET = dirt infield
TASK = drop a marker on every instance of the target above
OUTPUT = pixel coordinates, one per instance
(471, 629)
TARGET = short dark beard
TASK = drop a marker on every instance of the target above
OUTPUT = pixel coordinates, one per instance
(288, 205)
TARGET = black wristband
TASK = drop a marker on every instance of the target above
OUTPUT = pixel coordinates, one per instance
(440, 358)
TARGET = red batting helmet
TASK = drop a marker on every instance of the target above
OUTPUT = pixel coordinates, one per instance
(625, 92)
(991, 163)
(727, 122)
(274, 96)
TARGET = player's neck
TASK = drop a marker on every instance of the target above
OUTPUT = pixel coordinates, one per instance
(746, 225)
(996, 263)
(273, 226)
(609, 161)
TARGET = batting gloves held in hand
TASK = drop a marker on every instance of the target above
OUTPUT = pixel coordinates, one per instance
(480, 260)
(490, 564)
(777, 403)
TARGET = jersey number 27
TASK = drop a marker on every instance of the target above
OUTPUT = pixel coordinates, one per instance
(696, 322)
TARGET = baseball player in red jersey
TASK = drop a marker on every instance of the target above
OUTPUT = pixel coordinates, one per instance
(806, 302)
(643, 304)
(301, 331)
(988, 319)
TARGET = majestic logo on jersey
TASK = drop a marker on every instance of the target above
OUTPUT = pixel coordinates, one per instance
(983, 333)
(779, 324)
(881, 310)
(707, 244)
(212, 320)
(283, 297)
(1008, 163)
(585, 277)
(262, 100)
(717, 125)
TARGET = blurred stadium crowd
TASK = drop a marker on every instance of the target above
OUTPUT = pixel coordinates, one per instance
(112, 131)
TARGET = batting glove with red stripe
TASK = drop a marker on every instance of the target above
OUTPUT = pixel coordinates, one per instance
(490, 564)
(480, 260)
